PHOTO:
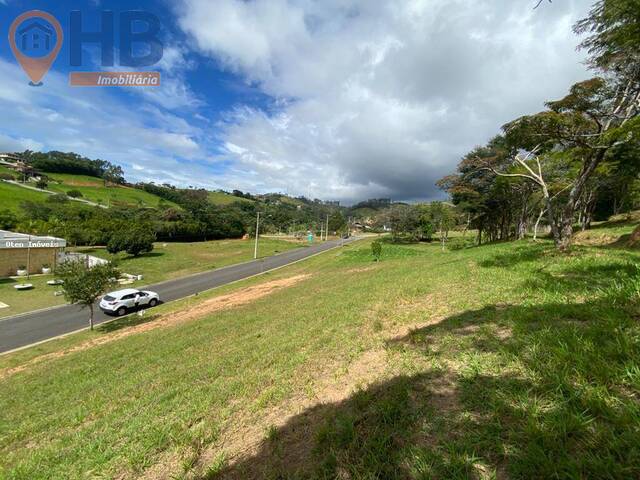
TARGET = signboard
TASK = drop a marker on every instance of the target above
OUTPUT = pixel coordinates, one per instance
(33, 243)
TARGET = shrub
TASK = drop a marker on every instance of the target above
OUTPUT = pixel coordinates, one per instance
(8, 220)
(6, 176)
(42, 184)
(74, 194)
(458, 244)
(376, 250)
(134, 241)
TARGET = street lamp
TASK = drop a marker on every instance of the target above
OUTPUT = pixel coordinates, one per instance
(255, 251)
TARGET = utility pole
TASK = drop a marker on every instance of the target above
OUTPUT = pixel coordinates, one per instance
(326, 232)
(255, 251)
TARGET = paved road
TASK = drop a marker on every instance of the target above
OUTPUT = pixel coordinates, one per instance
(23, 330)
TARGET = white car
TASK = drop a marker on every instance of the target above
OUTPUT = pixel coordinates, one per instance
(123, 301)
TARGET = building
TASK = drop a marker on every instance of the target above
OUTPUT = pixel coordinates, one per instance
(20, 251)
(36, 38)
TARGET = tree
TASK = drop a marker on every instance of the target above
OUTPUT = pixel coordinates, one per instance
(74, 193)
(376, 250)
(443, 218)
(583, 127)
(42, 184)
(404, 222)
(337, 222)
(114, 175)
(84, 285)
(133, 240)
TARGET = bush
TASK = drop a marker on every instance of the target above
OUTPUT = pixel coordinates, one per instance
(376, 250)
(74, 194)
(42, 184)
(458, 244)
(8, 220)
(134, 241)
(7, 176)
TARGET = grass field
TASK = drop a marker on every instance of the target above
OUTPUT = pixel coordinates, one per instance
(221, 198)
(164, 263)
(94, 190)
(503, 361)
(173, 260)
(11, 196)
(42, 296)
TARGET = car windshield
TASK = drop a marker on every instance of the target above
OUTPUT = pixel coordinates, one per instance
(109, 298)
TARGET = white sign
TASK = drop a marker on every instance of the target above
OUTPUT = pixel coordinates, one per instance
(57, 243)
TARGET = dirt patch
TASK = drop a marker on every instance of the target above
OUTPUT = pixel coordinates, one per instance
(361, 269)
(223, 302)
(82, 183)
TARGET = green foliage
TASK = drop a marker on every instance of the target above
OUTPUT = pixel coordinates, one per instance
(61, 162)
(376, 250)
(337, 222)
(458, 243)
(7, 176)
(42, 184)
(427, 228)
(8, 220)
(74, 193)
(134, 240)
(83, 285)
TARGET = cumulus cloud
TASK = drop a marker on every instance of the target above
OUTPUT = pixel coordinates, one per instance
(379, 98)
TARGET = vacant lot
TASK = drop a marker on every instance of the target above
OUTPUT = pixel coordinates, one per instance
(94, 190)
(504, 361)
(166, 262)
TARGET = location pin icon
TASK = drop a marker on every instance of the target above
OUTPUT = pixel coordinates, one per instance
(37, 37)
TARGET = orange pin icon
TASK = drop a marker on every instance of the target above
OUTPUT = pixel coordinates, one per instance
(36, 43)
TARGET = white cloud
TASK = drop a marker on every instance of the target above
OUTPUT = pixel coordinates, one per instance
(380, 98)
(99, 124)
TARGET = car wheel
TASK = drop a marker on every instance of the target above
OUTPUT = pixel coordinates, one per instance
(121, 311)
(153, 303)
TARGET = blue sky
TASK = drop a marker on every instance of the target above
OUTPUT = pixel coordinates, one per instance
(335, 99)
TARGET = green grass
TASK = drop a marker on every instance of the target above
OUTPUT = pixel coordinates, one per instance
(504, 361)
(221, 198)
(164, 263)
(173, 260)
(4, 169)
(94, 190)
(11, 196)
(41, 296)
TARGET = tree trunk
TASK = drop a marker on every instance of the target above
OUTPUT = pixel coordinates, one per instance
(535, 228)
(91, 317)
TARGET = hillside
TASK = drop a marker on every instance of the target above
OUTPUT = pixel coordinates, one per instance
(222, 198)
(366, 370)
(94, 190)
(11, 196)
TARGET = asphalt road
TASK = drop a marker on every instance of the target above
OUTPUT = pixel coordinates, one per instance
(30, 328)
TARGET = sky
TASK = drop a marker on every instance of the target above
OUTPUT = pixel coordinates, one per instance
(332, 99)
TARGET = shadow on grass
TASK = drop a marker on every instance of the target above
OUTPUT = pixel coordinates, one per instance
(124, 322)
(547, 391)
